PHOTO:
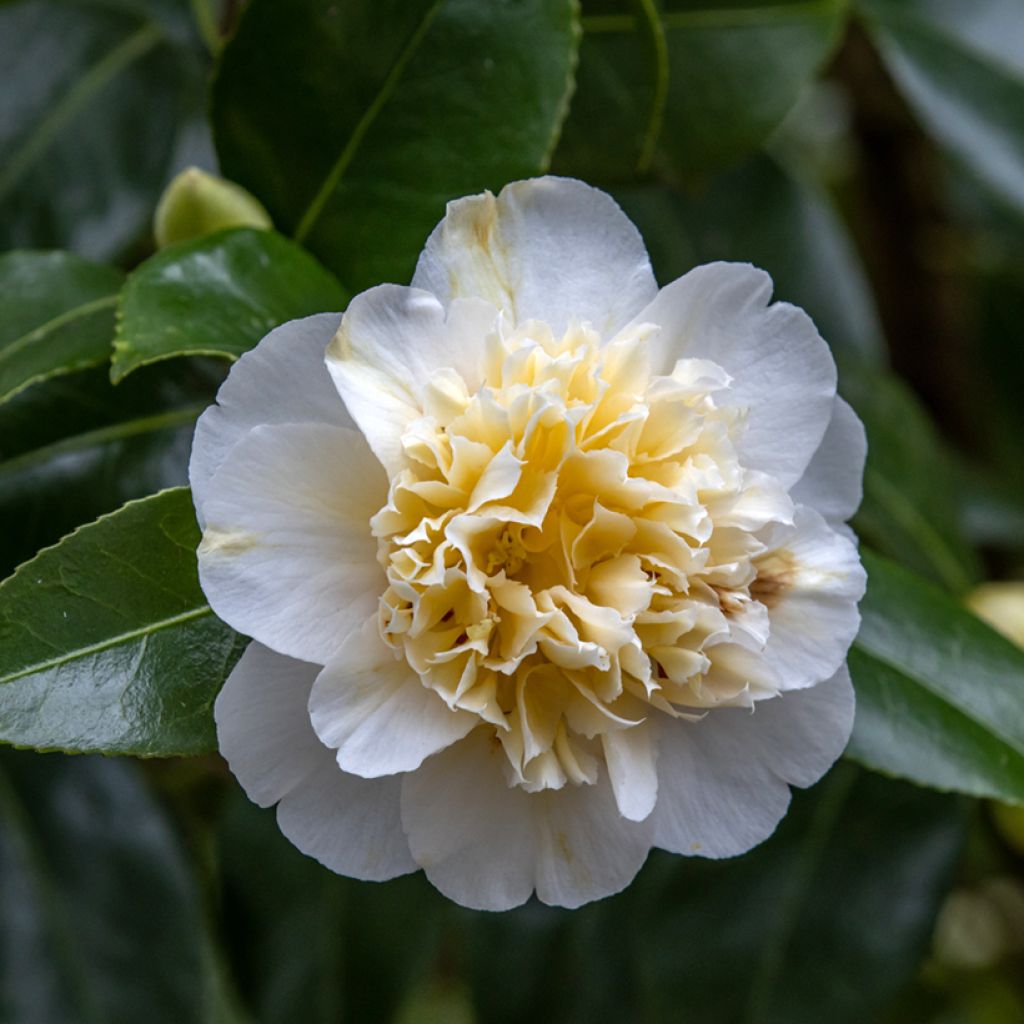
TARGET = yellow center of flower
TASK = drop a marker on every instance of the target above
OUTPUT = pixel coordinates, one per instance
(574, 546)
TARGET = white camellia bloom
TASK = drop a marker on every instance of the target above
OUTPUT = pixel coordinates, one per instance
(544, 566)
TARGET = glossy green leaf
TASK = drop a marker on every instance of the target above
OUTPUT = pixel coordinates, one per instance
(786, 934)
(107, 643)
(940, 695)
(56, 315)
(689, 88)
(961, 66)
(355, 122)
(217, 296)
(910, 508)
(75, 448)
(101, 919)
(364, 945)
(759, 214)
(95, 96)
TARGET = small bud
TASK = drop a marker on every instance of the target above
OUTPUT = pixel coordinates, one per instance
(195, 204)
(1001, 605)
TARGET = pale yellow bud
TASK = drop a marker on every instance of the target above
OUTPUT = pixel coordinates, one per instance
(1001, 605)
(195, 204)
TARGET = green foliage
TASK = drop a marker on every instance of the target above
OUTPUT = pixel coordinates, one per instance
(101, 915)
(217, 296)
(355, 122)
(938, 692)
(56, 316)
(365, 946)
(96, 97)
(107, 643)
(964, 74)
(752, 130)
(681, 89)
(75, 448)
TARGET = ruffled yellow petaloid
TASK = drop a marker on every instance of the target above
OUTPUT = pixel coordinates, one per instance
(574, 546)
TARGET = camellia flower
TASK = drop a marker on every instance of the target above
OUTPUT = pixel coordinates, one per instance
(544, 566)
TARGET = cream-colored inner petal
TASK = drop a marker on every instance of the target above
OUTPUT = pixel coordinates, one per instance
(574, 547)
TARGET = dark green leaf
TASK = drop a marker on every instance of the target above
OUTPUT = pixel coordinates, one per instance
(940, 695)
(95, 94)
(692, 89)
(355, 122)
(363, 945)
(963, 71)
(759, 214)
(786, 934)
(76, 448)
(107, 643)
(56, 315)
(825, 921)
(217, 296)
(909, 510)
(101, 918)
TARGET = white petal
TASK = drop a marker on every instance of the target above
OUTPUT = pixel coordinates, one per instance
(263, 727)
(488, 846)
(471, 833)
(287, 555)
(550, 249)
(630, 755)
(802, 733)
(724, 780)
(374, 710)
(390, 341)
(832, 484)
(351, 825)
(714, 799)
(812, 613)
(586, 849)
(281, 380)
(782, 371)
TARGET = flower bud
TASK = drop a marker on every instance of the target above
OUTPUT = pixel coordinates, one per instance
(1001, 605)
(196, 203)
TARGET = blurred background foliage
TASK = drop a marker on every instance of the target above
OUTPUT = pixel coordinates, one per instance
(868, 153)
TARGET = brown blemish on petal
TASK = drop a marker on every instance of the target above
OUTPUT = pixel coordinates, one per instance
(777, 574)
(563, 847)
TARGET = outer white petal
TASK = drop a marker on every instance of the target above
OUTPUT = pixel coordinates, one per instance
(351, 825)
(488, 846)
(631, 755)
(812, 615)
(586, 849)
(832, 484)
(390, 341)
(471, 833)
(549, 249)
(782, 371)
(263, 727)
(281, 380)
(373, 709)
(725, 779)
(287, 556)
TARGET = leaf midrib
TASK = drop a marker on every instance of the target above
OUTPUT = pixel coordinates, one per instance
(351, 147)
(55, 323)
(715, 18)
(118, 640)
(101, 435)
(78, 97)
